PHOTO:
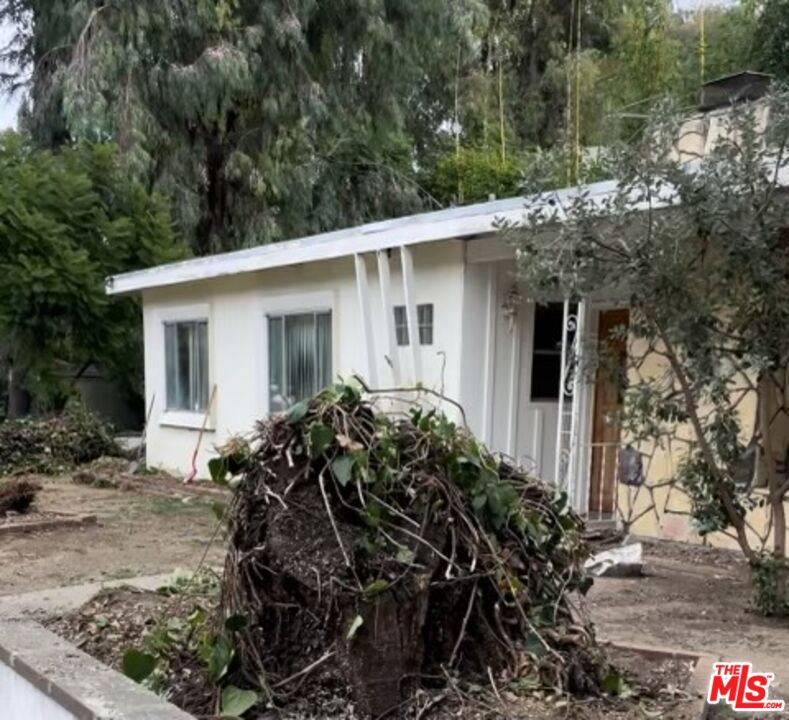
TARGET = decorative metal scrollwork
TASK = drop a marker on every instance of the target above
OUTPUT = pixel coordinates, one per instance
(571, 360)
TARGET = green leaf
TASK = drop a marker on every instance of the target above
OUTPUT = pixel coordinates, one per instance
(217, 467)
(235, 702)
(137, 665)
(235, 623)
(196, 617)
(342, 468)
(101, 621)
(585, 584)
(321, 436)
(479, 502)
(614, 684)
(175, 625)
(405, 555)
(527, 684)
(534, 646)
(358, 621)
(298, 411)
(220, 657)
(376, 587)
(219, 509)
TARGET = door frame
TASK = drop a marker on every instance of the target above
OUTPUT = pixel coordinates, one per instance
(602, 477)
(586, 410)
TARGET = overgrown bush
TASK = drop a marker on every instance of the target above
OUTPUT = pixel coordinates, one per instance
(768, 596)
(53, 445)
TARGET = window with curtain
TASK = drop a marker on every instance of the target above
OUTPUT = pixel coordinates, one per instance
(299, 357)
(186, 365)
(424, 317)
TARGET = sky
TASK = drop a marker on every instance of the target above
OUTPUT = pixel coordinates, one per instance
(10, 105)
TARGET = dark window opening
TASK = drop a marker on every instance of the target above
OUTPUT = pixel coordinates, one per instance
(547, 351)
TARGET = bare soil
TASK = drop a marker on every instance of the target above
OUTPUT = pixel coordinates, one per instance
(136, 534)
(697, 599)
(30, 517)
(118, 619)
(692, 597)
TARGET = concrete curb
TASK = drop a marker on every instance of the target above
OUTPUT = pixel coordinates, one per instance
(52, 523)
(699, 678)
(82, 686)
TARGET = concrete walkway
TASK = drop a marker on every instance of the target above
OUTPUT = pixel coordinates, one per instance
(56, 601)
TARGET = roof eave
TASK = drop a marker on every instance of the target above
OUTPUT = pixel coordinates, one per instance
(287, 254)
(454, 223)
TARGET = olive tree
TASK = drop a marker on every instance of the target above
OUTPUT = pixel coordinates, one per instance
(698, 248)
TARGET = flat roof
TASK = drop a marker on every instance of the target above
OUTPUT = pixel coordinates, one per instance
(457, 222)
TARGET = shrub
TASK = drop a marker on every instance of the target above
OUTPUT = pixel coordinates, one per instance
(53, 445)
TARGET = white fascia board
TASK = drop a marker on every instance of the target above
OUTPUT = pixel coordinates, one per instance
(294, 252)
(427, 227)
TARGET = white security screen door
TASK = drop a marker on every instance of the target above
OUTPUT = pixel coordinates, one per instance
(569, 419)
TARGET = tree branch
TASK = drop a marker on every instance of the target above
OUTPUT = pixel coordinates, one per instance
(709, 456)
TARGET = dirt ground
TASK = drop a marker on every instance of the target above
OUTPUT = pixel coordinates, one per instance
(135, 535)
(118, 619)
(697, 599)
(692, 597)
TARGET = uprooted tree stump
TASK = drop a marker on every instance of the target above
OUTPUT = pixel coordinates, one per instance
(17, 495)
(378, 552)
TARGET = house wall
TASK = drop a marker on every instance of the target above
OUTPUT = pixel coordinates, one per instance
(19, 698)
(496, 370)
(659, 509)
(236, 307)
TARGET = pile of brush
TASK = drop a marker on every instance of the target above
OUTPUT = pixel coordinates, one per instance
(377, 552)
(17, 496)
(53, 445)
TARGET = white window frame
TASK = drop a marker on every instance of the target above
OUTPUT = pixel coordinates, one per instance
(401, 325)
(190, 419)
(293, 304)
(425, 326)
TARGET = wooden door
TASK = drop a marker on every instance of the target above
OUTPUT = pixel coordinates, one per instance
(608, 398)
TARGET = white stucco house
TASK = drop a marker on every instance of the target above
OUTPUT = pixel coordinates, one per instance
(430, 299)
